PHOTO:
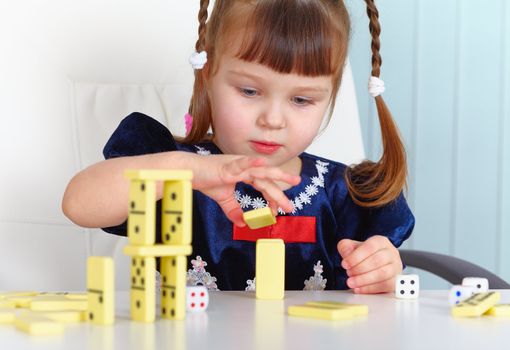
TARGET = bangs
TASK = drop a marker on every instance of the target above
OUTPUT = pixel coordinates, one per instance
(294, 37)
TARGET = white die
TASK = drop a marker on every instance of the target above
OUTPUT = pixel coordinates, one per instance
(407, 286)
(480, 284)
(460, 293)
(197, 298)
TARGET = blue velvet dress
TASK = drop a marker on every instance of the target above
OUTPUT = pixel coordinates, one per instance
(219, 261)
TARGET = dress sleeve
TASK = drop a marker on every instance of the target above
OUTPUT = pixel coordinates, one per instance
(138, 134)
(393, 220)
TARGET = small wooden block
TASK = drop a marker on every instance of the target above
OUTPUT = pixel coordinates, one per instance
(7, 315)
(34, 324)
(357, 309)
(499, 310)
(258, 218)
(159, 175)
(57, 304)
(159, 250)
(476, 304)
(270, 269)
(321, 311)
(173, 287)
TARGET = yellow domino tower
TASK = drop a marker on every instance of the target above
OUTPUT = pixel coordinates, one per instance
(176, 217)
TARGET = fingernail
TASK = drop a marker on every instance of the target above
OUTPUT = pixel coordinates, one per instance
(345, 265)
(351, 283)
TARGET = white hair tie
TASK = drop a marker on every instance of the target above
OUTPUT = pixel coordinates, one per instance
(198, 60)
(375, 86)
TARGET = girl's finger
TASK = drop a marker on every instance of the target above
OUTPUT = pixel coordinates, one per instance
(383, 273)
(367, 248)
(381, 287)
(373, 262)
(273, 173)
(233, 211)
(231, 171)
(273, 194)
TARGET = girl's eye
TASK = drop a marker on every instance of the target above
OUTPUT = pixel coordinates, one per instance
(248, 92)
(301, 101)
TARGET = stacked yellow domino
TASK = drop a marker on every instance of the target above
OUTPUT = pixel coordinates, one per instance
(42, 313)
(176, 236)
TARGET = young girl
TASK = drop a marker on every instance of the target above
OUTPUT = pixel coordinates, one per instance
(265, 76)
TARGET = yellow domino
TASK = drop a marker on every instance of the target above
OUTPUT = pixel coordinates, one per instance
(157, 250)
(258, 218)
(357, 309)
(7, 315)
(7, 304)
(142, 212)
(4, 295)
(476, 304)
(48, 303)
(77, 296)
(20, 301)
(176, 212)
(499, 310)
(159, 175)
(63, 316)
(270, 269)
(101, 290)
(173, 287)
(34, 324)
(322, 312)
(143, 289)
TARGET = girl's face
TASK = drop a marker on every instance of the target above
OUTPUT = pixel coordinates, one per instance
(257, 111)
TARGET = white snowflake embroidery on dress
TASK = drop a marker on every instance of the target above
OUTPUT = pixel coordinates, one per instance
(199, 277)
(202, 151)
(298, 202)
(250, 285)
(316, 282)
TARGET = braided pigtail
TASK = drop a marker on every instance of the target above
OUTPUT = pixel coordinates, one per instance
(199, 106)
(375, 184)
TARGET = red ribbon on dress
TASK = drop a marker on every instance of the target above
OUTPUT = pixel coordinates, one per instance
(292, 229)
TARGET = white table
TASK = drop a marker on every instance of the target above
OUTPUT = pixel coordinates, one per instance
(236, 320)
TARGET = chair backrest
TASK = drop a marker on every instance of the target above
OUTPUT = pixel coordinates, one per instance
(70, 72)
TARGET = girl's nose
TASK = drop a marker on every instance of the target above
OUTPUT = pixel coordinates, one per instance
(272, 117)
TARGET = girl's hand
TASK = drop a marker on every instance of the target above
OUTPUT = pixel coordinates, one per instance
(217, 175)
(372, 266)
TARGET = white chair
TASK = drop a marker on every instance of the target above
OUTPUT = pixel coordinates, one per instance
(70, 72)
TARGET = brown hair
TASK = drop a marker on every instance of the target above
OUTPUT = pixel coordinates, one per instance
(307, 37)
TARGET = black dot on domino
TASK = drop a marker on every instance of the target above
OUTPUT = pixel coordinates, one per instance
(173, 312)
(172, 228)
(142, 187)
(100, 299)
(164, 311)
(179, 219)
(137, 229)
(138, 304)
(91, 316)
(167, 236)
(132, 205)
(173, 196)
